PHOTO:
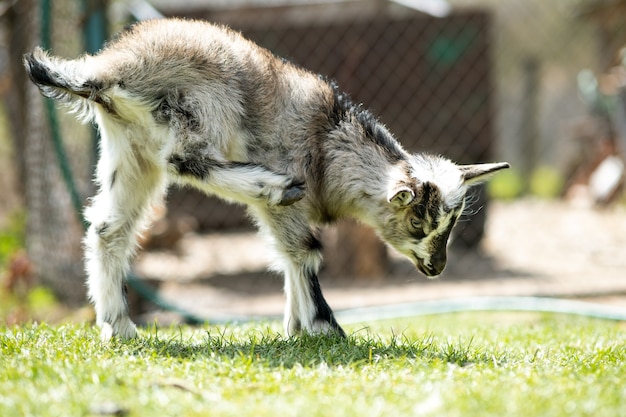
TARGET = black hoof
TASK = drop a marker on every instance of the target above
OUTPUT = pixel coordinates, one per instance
(292, 194)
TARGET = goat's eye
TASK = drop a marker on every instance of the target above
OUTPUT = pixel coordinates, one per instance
(417, 231)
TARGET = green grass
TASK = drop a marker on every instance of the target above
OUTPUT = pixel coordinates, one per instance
(474, 364)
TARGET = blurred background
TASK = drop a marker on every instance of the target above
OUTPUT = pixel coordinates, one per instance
(538, 84)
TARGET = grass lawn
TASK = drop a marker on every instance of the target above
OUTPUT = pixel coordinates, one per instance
(472, 364)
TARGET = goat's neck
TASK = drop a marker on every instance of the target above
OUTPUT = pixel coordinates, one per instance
(356, 182)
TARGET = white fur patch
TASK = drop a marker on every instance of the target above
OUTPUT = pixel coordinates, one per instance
(442, 172)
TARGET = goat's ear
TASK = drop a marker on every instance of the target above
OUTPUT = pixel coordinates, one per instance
(400, 195)
(475, 174)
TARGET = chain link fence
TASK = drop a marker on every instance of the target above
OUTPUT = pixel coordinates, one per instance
(482, 80)
(53, 233)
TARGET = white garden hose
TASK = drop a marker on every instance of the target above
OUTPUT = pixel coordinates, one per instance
(458, 305)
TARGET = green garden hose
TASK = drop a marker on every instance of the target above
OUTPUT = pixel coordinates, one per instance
(133, 281)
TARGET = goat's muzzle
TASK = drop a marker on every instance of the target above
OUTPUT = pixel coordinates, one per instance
(433, 268)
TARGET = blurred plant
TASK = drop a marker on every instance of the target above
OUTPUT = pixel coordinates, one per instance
(507, 185)
(546, 182)
(41, 298)
(12, 236)
(20, 299)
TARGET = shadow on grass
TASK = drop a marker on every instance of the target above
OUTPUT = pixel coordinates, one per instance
(306, 350)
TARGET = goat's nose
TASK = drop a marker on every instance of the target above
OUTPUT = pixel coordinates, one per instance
(438, 262)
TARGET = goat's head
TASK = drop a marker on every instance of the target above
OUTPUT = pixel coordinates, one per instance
(425, 198)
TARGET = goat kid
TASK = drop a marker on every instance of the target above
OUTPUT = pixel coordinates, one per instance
(193, 103)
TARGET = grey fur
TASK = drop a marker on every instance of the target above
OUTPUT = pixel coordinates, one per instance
(195, 103)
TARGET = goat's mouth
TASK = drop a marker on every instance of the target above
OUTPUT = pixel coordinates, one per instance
(426, 269)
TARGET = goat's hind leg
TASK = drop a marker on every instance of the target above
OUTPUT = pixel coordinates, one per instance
(116, 216)
(244, 182)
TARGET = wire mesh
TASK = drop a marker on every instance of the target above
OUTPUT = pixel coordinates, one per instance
(53, 234)
(428, 79)
(490, 80)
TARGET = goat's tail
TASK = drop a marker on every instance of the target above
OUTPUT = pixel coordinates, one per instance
(65, 81)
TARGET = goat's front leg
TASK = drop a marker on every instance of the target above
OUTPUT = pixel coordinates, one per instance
(246, 183)
(299, 257)
(116, 216)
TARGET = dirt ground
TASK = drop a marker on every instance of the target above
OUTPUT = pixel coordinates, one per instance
(532, 248)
